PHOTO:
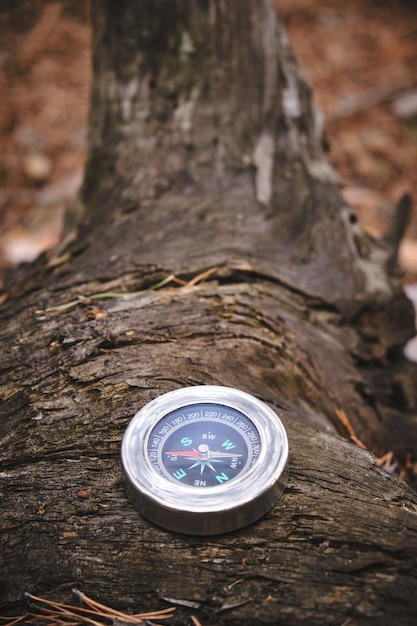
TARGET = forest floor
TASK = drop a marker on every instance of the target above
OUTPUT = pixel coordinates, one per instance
(360, 59)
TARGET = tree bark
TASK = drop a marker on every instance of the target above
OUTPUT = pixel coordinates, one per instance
(206, 154)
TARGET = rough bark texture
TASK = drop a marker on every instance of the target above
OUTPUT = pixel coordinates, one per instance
(206, 153)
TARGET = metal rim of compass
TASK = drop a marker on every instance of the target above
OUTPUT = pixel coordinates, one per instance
(188, 509)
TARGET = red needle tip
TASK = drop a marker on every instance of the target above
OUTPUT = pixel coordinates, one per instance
(191, 453)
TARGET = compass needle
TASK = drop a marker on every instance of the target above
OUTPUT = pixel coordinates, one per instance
(236, 436)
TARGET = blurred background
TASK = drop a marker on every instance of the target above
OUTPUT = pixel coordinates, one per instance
(359, 57)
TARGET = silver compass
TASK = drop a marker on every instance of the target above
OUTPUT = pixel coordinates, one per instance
(205, 460)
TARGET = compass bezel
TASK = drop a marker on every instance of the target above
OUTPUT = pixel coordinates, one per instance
(214, 509)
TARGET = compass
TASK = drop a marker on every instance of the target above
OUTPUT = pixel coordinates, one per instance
(205, 460)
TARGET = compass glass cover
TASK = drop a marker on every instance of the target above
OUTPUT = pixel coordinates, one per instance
(203, 445)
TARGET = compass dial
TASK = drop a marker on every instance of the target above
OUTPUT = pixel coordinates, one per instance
(205, 460)
(204, 445)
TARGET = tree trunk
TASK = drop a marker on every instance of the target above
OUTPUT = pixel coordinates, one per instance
(206, 153)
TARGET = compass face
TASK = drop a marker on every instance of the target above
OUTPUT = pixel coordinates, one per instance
(203, 445)
(205, 460)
